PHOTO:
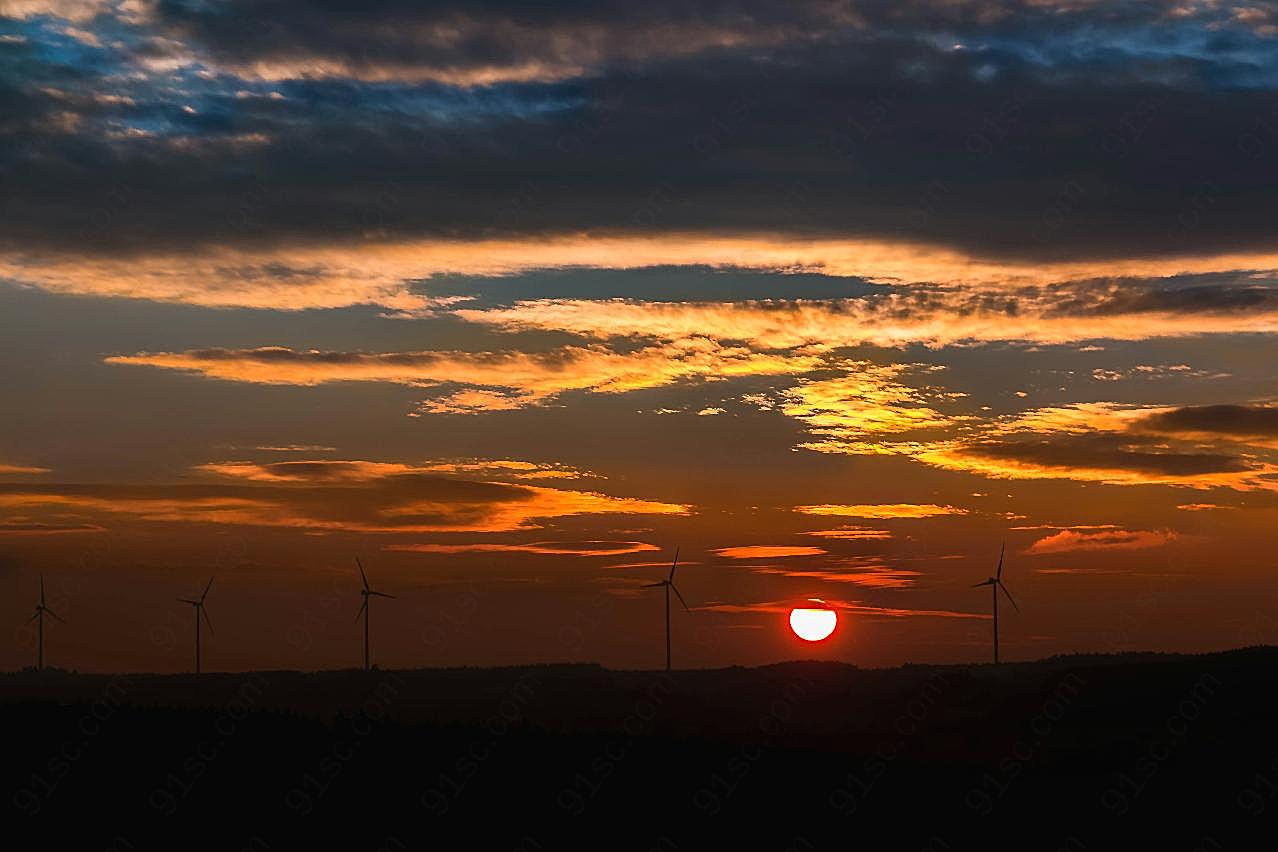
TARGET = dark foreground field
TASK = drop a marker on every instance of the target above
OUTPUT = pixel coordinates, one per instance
(1140, 752)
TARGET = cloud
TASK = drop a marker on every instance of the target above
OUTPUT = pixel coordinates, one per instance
(317, 471)
(995, 303)
(968, 297)
(393, 504)
(866, 401)
(1095, 442)
(482, 42)
(323, 470)
(665, 565)
(783, 607)
(529, 377)
(19, 528)
(1202, 507)
(853, 533)
(710, 106)
(1068, 541)
(477, 44)
(768, 551)
(21, 469)
(545, 548)
(1100, 458)
(1247, 422)
(866, 573)
(882, 510)
(71, 10)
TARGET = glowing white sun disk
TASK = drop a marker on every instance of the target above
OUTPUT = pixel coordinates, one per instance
(812, 624)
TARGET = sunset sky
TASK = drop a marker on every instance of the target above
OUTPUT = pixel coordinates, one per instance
(511, 299)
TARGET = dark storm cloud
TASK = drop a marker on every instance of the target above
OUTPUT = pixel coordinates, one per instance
(456, 35)
(1033, 141)
(1253, 421)
(462, 34)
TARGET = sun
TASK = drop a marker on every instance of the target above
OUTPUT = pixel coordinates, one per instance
(812, 624)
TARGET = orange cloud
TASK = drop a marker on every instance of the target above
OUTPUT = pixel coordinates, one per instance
(882, 511)
(865, 401)
(853, 533)
(381, 273)
(665, 565)
(323, 470)
(21, 469)
(1091, 442)
(862, 574)
(333, 470)
(971, 309)
(547, 548)
(20, 528)
(417, 503)
(529, 377)
(1067, 541)
(767, 551)
(1112, 461)
(782, 607)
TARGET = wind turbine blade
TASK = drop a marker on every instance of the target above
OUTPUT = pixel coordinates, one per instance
(675, 589)
(652, 585)
(674, 565)
(362, 607)
(189, 601)
(982, 583)
(41, 589)
(381, 595)
(999, 574)
(204, 612)
(1009, 596)
(207, 586)
(34, 617)
(55, 615)
(362, 575)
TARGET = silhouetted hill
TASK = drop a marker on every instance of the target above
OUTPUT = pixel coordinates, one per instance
(1076, 752)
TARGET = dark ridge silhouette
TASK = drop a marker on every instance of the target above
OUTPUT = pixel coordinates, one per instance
(1078, 752)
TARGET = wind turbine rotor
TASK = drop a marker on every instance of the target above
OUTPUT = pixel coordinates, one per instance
(675, 589)
(1009, 596)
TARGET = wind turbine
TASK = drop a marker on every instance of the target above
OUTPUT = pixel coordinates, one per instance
(40, 610)
(670, 587)
(200, 611)
(995, 583)
(364, 608)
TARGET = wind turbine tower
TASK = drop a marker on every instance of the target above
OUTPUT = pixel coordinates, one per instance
(40, 610)
(995, 583)
(200, 611)
(670, 587)
(367, 593)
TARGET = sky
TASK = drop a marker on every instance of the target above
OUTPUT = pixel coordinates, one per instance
(511, 299)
